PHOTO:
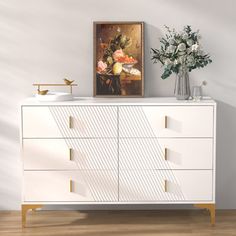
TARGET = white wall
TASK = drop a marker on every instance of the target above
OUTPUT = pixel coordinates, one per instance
(45, 40)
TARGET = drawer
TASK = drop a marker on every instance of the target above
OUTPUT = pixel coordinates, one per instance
(166, 153)
(66, 154)
(84, 186)
(69, 121)
(166, 121)
(165, 186)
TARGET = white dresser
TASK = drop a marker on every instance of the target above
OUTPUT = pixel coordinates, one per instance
(118, 151)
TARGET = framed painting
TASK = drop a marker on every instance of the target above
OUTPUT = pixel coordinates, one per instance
(118, 59)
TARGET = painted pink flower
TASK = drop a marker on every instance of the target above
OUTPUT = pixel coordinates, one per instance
(101, 66)
(117, 54)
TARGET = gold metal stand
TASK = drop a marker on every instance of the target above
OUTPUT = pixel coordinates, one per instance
(55, 85)
(24, 209)
(211, 209)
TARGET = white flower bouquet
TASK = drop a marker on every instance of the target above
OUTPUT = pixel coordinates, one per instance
(180, 51)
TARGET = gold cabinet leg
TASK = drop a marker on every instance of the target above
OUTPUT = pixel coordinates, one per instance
(211, 209)
(24, 210)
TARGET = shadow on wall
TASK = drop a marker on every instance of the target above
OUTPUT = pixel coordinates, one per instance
(154, 85)
(225, 156)
(9, 178)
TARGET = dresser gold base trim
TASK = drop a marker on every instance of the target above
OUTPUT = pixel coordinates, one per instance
(211, 209)
(25, 208)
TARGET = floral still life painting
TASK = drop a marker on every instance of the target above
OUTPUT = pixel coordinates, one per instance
(118, 59)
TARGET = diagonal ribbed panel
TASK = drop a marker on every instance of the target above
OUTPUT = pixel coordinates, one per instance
(165, 153)
(134, 123)
(142, 154)
(102, 185)
(100, 154)
(85, 125)
(86, 121)
(148, 185)
(146, 155)
(89, 122)
(88, 125)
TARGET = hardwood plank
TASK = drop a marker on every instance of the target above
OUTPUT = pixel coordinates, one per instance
(125, 223)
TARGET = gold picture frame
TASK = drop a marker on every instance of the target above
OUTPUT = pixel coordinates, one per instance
(118, 66)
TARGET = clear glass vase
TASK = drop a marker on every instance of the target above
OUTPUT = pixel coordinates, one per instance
(182, 87)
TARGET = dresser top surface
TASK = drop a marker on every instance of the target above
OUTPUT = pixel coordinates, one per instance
(32, 101)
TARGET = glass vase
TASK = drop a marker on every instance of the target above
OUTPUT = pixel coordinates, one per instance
(182, 87)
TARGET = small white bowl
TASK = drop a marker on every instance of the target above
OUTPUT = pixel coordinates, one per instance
(54, 97)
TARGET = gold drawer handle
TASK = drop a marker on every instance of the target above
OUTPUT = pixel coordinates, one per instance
(70, 122)
(166, 122)
(70, 153)
(166, 154)
(71, 186)
(165, 185)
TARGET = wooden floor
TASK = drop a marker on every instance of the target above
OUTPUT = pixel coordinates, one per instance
(125, 223)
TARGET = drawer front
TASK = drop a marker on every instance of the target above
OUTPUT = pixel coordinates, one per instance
(166, 153)
(165, 186)
(66, 154)
(166, 121)
(84, 186)
(69, 121)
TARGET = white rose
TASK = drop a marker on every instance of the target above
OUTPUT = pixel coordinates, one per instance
(181, 53)
(181, 47)
(189, 50)
(172, 41)
(190, 61)
(168, 62)
(190, 42)
(194, 47)
(185, 36)
(171, 49)
(190, 58)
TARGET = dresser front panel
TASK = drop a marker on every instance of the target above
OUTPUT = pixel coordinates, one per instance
(118, 152)
(66, 154)
(166, 153)
(165, 185)
(69, 121)
(166, 121)
(87, 186)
